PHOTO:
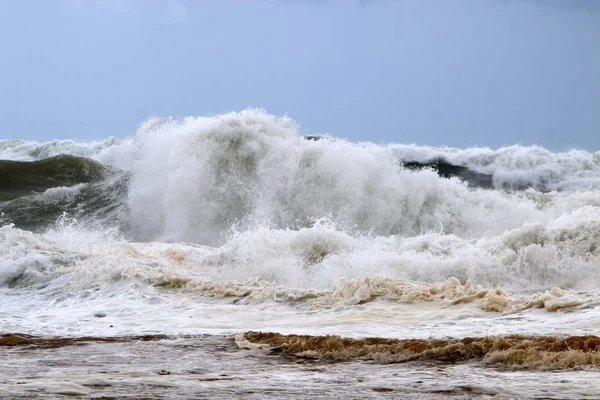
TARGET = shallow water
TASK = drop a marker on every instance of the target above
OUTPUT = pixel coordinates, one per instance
(213, 367)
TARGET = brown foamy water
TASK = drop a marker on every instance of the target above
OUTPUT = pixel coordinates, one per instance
(277, 366)
(547, 352)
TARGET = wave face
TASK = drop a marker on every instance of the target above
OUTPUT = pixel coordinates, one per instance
(240, 208)
(19, 178)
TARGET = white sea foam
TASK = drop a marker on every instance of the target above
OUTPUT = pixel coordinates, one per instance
(60, 193)
(70, 274)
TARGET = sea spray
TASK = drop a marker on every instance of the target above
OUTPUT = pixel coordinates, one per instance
(236, 222)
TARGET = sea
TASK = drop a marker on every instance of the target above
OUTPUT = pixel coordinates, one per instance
(233, 256)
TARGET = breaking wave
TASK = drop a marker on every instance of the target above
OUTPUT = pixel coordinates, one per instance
(240, 209)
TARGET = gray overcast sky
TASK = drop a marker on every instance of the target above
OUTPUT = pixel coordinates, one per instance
(437, 72)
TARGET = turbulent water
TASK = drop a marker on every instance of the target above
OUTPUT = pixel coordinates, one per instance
(235, 223)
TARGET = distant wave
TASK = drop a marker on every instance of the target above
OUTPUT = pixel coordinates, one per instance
(448, 170)
(28, 150)
(513, 167)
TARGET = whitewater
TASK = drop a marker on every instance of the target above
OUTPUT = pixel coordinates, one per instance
(207, 227)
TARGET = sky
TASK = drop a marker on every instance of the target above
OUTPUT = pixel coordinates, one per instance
(454, 73)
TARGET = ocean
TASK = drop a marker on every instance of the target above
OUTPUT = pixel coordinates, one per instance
(233, 256)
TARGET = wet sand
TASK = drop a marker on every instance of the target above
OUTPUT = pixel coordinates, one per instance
(159, 367)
